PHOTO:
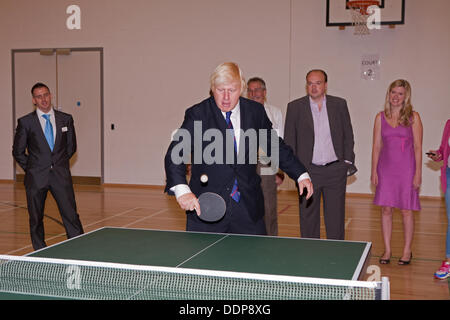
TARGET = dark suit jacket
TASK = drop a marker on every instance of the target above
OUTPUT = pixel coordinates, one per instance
(221, 175)
(299, 129)
(33, 153)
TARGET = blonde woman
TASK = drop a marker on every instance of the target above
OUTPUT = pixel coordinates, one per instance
(397, 165)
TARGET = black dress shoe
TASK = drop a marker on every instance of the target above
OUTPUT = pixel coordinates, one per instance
(385, 261)
(405, 262)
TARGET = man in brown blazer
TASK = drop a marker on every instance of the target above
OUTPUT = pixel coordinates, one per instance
(319, 130)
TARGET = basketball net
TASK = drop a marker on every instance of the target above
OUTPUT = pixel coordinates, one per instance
(358, 11)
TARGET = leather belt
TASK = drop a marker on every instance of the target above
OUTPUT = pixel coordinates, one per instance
(326, 164)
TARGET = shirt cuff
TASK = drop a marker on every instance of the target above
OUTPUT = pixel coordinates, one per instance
(180, 189)
(303, 177)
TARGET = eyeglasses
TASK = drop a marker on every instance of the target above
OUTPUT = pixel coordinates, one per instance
(256, 90)
(317, 83)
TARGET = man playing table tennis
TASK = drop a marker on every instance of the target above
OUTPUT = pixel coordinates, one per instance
(237, 181)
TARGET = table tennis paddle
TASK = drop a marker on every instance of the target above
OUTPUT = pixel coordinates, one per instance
(212, 207)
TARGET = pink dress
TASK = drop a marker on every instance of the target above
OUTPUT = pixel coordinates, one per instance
(396, 167)
(444, 150)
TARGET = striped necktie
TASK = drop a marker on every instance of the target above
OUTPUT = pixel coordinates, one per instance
(235, 194)
(48, 131)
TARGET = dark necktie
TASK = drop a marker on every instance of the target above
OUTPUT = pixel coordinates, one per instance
(235, 194)
(48, 131)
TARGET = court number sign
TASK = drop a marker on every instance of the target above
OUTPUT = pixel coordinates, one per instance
(375, 273)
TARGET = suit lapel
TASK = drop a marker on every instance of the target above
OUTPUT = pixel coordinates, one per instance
(219, 120)
(38, 128)
(59, 125)
(245, 118)
(331, 111)
(245, 124)
(308, 114)
(309, 123)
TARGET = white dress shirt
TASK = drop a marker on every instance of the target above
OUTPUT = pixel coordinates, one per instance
(276, 117)
(44, 122)
(323, 151)
(236, 122)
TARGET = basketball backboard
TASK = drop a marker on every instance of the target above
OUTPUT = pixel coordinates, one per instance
(392, 12)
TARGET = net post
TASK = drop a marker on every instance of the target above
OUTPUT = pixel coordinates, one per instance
(385, 289)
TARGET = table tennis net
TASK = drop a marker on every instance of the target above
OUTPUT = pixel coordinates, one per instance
(73, 279)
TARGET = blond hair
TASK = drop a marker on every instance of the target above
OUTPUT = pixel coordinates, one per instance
(406, 112)
(227, 73)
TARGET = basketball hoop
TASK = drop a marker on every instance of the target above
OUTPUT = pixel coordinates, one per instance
(358, 10)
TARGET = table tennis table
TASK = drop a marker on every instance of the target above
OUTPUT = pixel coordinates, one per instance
(219, 256)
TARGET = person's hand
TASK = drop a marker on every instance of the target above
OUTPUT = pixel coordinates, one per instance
(189, 202)
(417, 181)
(279, 178)
(306, 183)
(374, 179)
(435, 155)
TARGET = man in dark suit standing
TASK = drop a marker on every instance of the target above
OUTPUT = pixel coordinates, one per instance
(319, 130)
(223, 114)
(43, 145)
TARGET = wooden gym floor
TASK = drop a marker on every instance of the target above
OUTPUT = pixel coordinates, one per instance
(150, 208)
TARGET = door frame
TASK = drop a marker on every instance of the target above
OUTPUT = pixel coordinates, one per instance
(102, 133)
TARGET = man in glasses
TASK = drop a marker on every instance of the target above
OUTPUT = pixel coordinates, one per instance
(257, 91)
